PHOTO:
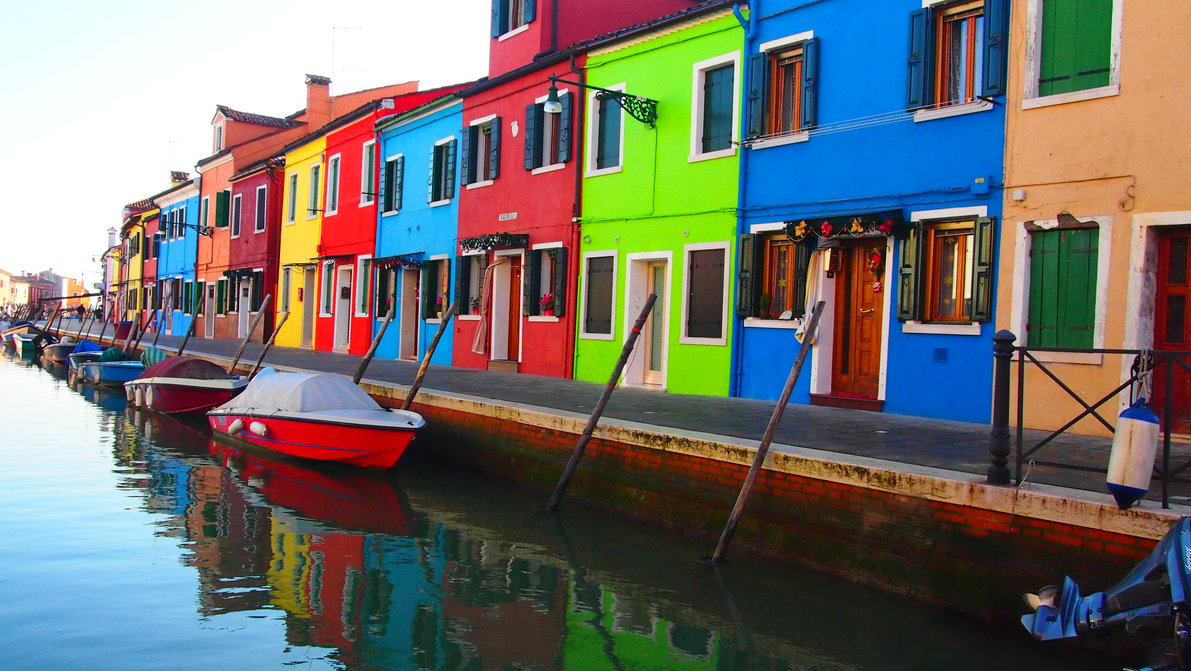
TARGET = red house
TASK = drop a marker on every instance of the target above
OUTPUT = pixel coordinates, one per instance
(254, 236)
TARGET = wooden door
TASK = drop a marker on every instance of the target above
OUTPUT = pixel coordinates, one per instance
(859, 318)
(514, 341)
(1172, 325)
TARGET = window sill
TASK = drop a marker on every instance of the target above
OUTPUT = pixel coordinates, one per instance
(757, 322)
(723, 153)
(258, 230)
(330, 213)
(964, 329)
(603, 171)
(548, 168)
(366, 203)
(715, 342)
(480, 185)
(1071, 97)
(389, 213)
(290, 222)
(514, 32)
(324, 315)
(439, 203)
(596, 336)
(361, 315)
(952, 110)
(1065, 357)
(468, 318)
(433, 320)
(790, 138)
(542, 319)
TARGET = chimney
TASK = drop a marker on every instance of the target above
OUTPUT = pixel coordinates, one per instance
(111, 237)
(318, 101)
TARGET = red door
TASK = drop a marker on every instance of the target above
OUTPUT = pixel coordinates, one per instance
(1172, 325)
(515, 309)
(859, 318)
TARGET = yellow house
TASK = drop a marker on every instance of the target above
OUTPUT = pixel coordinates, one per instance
(135, 242)
(1097, 212)
(301, 229)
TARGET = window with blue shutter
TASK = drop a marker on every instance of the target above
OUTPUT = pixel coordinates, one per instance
(945, 271)
(508, 15)
(958, 53)
(607, 125)
(782, 96)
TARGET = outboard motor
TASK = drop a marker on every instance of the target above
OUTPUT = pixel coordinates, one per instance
(1156, 593)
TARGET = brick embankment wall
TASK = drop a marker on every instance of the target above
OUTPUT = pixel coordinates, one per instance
(937, 536)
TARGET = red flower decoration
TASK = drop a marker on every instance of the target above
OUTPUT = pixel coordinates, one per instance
(825, 228)
(885, 226)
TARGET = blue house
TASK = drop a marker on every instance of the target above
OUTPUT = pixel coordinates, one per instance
(872, 181)
(176, 249)
(415, 238)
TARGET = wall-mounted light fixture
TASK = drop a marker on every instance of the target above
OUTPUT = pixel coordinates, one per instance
(640, 108)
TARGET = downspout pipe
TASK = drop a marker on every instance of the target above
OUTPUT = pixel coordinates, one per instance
(576, 214)
(735, 384)
(553, 33)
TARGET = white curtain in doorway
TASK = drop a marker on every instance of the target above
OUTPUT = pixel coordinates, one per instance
(480, 344)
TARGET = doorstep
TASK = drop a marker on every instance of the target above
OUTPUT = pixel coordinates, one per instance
(848, 402)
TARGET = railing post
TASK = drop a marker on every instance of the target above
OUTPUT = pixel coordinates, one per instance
(998, 443)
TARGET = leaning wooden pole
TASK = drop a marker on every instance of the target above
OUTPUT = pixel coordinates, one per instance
(763, 449)
(189, 332)
(132, 330)
(144, 330)
(269, 343)
(89, 323)
(251, 329)
(157, 325)
(102, 332)
(581, 444)
(376, 341)
(413, 391)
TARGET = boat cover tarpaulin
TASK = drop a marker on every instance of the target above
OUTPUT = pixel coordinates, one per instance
(186, 367)
(301, 392)
(152, 356)
(111, 354)
(86, 346)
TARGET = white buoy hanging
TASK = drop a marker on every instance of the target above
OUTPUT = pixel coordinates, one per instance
(1134, 446)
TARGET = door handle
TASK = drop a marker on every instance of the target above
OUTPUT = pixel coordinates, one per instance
(864, 312)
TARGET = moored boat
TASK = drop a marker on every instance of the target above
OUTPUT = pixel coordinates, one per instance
(183, 384)
(25, 344)
(316, 416)
(83, 352)
(110, 373)
(59, 351)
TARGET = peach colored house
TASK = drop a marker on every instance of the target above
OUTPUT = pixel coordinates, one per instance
(1097, 212)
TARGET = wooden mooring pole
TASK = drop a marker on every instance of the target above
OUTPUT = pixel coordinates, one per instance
(384, 326)
(269, 343)
(808, 337)
(103, 331)
(251, 328)
(157, 326)
(144, 330)
(413, 391)
(594, 420)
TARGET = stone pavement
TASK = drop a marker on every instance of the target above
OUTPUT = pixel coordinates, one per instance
(943, 444)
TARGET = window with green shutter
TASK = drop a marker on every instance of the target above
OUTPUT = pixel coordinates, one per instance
(1062, 303)
(717, 108)
(1076, 45)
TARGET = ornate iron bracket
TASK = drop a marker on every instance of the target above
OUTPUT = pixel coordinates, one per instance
(640, 108)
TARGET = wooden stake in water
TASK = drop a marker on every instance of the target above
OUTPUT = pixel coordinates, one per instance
(413, 391)
(251, 329)
(763, 449)
(265, 350)
(581, 444)
(376, 341)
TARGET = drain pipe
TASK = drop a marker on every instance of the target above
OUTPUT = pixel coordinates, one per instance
(734, 384)
(553, 32)
(576, 216)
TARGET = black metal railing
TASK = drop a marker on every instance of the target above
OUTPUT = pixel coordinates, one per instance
(1161, 364)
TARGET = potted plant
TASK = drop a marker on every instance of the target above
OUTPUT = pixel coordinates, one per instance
(475, 305)
(547, 303)
(438, 306)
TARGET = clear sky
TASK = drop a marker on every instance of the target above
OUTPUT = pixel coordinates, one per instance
(100, 100)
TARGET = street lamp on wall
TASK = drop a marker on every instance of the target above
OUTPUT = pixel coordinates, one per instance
(640, 108)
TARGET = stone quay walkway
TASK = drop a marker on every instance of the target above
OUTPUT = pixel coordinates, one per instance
(960, 447)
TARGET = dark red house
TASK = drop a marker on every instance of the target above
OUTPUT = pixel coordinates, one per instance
(254, 237)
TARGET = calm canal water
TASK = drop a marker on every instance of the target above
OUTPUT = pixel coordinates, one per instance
(133, 541)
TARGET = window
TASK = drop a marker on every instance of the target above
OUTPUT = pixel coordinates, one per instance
(328, 288)
(599, 279)
(705, 290)
(480, 161)
(508, 15)
(368, 174)
(205, 211)
(259, 224)
(782, 86)
(291, 198)
(547, 136)
(442, 172)
(312, 208)
(258, 290)
(713, 122)
(607, 129)
(200, 288)
(772, 276)
(219, 138)
(237, 213)
(544, 282)
(945, 271)
(332, 184)
(1063, 284)
(957, 53)
(233, 295)
(176, 294)
(392, 178)
(287, 279)
(435, 287)
(188, 296)
(386, 280)
(221, 296)
(1077, 41)
(222, 207)
(469, 278)
(364, 287)
(181, 221)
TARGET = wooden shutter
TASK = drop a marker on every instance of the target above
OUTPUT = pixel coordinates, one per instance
(429, 276)
(462, 284)
(705, 294)
(810, 75)
(531, 136)
(449, 170)
(493, 150)
(909, 303)
(221, 208)
(531, 282)
(746, 267)
(1076, 49)
(597, 304)
(982, 271)
(465, 157)
(221, 297)
(996, 46)
(499, 7)
(717, 108)
(258, 290)
(529, 11)
(431, 196)
(564, 129)
(398, 182)
(384, 186)
(200, 295)
(801, 254)
(758, 86)
(1062, 310)
(921, 59)
(560, 282)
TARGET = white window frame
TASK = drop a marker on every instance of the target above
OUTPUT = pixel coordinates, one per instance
(583, 334)
(437, 144)
(482, 121)
(726, 247)
(767, 48)
(291, 198)
(204, 208)
(312, 199)
(368, 174)
(237, 215)
(929, 216)
(333, 174)
(541, 136)
(393, 210)
(698, 72)
(446, 296)
(1033, 62)
(363, 284)
(261, 212)
(593, 126)
(326, 296)
(1019, 312)
(219, 137)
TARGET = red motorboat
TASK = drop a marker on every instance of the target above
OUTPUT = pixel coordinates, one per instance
(317, 416)
(183, 384)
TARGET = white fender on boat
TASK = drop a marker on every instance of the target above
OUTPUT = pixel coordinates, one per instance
(258, 428)
(236, 426)
(1134, 447)
(149, 396)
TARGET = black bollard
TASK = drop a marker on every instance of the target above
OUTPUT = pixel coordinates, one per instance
(998, 442)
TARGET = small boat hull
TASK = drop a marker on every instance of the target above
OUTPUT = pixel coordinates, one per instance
(110, 373)
(77, 359)
(318, 437)
(58, 352)
(173, 395)
(25, 344)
